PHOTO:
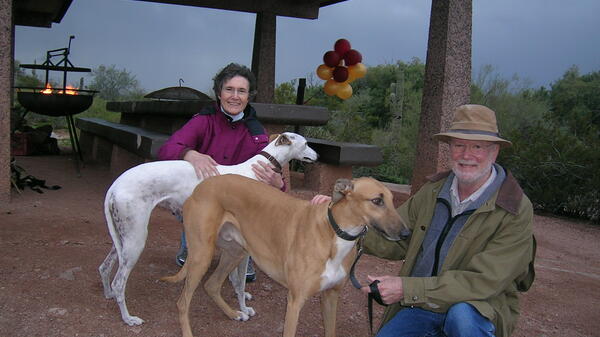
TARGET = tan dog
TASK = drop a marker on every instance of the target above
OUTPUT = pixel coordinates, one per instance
(290, 240)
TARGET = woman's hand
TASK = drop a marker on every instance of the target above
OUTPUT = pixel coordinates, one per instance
(265, 173)
(320, 199)
(390, 288)
(204, 165)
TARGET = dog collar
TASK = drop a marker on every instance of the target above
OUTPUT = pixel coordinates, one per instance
(339, 232)
(272, 160)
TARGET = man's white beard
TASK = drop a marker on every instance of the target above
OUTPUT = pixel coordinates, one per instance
(470, 177)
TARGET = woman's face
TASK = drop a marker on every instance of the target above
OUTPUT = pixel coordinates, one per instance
(235, 94)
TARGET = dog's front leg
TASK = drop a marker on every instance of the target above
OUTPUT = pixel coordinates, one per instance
(329, 301)
(295, 302)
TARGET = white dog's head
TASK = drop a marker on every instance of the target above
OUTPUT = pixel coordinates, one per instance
(288, 146)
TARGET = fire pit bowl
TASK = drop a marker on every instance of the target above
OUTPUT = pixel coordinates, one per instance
(56, 104)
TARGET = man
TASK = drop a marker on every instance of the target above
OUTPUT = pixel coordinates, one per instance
(471, 249)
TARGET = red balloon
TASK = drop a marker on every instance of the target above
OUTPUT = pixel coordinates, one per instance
(331, 58)
(340, 74)
(352, 57)
(341, 46)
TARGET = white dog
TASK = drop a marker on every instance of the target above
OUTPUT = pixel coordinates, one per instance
(134, 194)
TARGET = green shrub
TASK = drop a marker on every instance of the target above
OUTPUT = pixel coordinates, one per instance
(557, 169)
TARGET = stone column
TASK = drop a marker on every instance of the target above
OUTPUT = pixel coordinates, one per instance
(7, 38)
(263, 56)
(447, 82)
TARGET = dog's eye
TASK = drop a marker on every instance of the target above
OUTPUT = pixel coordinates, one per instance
(377, 201)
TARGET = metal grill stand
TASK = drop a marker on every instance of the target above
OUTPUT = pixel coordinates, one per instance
(58, 102)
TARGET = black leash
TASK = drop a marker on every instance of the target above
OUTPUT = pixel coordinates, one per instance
(374, 295)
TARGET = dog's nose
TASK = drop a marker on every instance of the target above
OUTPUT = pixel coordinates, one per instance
(405, 233)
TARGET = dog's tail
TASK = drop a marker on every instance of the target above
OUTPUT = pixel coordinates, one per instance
(177, 277)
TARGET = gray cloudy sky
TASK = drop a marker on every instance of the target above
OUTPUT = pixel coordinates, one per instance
(535, 39)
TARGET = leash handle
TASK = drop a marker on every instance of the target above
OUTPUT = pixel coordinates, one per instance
(373, 295)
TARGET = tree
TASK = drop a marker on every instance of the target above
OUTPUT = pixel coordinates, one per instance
(22, 79)
(114, 84)
(576, 101)
(285, 93)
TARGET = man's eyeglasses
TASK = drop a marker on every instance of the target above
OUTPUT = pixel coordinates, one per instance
(242, 92)
(476, 149)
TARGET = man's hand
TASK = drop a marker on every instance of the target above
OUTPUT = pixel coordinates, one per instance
(390, 288)
(265, 173)
(204, 165)
(320, 199)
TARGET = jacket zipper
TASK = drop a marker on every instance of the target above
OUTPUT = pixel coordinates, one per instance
(445, 231)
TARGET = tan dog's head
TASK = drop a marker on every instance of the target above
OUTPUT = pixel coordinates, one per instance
(370, 200)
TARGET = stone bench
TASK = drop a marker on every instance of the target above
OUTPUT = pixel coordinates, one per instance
(336, 160)
(122, 146)
(146, 125)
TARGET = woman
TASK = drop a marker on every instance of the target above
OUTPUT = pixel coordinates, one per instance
(224, 133)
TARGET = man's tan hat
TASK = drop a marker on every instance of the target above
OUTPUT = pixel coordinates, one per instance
(473, 122)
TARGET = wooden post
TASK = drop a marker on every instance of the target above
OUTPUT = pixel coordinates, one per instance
(263, 56)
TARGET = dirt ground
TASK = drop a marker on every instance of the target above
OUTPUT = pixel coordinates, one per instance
(52, 243)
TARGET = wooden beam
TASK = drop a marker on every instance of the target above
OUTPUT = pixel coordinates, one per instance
(304, 9)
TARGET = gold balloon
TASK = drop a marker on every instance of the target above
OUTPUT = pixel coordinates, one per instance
(345, 91)
(324, 72)
(351, 77)
(357, 71)
(331, 87)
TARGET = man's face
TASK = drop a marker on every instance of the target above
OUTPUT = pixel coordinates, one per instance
(471, 160)
(235, 94)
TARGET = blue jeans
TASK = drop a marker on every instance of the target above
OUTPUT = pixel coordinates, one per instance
(462, 319)
(183, 242)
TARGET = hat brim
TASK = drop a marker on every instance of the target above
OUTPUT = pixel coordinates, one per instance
(447, 136)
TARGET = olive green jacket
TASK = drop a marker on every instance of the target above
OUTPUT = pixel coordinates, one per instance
(490, 260)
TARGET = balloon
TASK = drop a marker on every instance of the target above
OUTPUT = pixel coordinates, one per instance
(340, 74)
(345, 91)
(357, 71)
(324, 72)
(341, 46)
(331, 58)
(352, 57)
(331, 87)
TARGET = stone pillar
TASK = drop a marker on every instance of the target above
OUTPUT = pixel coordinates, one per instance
(7, 38)
(263, 56)
(447, 82)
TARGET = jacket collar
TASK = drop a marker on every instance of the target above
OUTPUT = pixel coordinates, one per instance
(509, 195)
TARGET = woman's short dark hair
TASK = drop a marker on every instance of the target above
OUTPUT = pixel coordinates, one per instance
(230, 71)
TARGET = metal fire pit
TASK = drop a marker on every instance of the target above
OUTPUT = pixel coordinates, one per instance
(57, 102)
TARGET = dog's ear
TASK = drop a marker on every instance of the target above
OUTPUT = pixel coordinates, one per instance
(273, 137)
(283, 140)
(341, 188)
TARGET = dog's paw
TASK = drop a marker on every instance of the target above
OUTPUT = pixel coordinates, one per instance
(249, 311)
(242, 316)
(133, 320)
(247, 295)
